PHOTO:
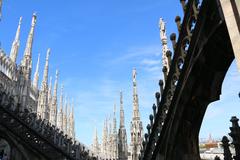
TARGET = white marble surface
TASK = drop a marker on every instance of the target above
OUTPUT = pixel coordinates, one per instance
(232, 27)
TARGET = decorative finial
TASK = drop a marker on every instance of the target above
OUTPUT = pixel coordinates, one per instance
(20, 21)
(34, 19)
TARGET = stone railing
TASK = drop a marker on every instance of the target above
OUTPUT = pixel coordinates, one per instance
(235, 135)
(37, 132)
(164, 97)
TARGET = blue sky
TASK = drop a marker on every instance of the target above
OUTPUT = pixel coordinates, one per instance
(96, 44)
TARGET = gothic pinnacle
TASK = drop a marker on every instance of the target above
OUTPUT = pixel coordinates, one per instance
(60, 111)
(114, 120)
(36, 74)
(55, 86)
(16, 43)
(45, 72)
(50, 92)
(61, 99)
(27, 60)
(121, 111)
(135, 96)
(54, 101)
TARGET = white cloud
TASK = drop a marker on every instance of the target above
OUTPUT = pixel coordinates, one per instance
(150, 62)
(139, 52)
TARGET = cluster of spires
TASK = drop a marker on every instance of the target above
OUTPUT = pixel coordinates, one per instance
(114, 143)
(107, 149)
(47, 104)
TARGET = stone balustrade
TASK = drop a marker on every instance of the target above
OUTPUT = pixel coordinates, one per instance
(40, 133)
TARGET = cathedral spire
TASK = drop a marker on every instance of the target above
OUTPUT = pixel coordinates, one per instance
(104, 140)
(122, 134)
(27, 59)
(163, 37)
(121, 111)
(50, 92)
(16, 43)
(53, 118)
(60, 112)
(45, 74)
(69, 118)
(72, 126)
(136, 114)
(110, 126)
(43, 103)
(65, 123)
(136, 123)
(114, 120)
(95, 145)
(36, 74)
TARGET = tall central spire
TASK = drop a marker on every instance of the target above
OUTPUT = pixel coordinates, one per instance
(135, 96)
(27, 60)
(16, 43)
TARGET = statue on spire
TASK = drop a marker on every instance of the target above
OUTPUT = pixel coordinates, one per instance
(163, 37)
(136, 124)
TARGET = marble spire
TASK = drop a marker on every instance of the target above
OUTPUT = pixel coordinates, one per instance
(122, 134)
(72, 122)
(16, 43)
(69, 118)
(60, 111)
(114, 136)
(53, 118)
(65, 123)
(122, 125)
(136, 124)
(43, 105)
(50, 93)
(104, 148)
(163, 37)
(95, 145)
(114, 120)
(27, 59)
(36, 74)
(136, 114)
